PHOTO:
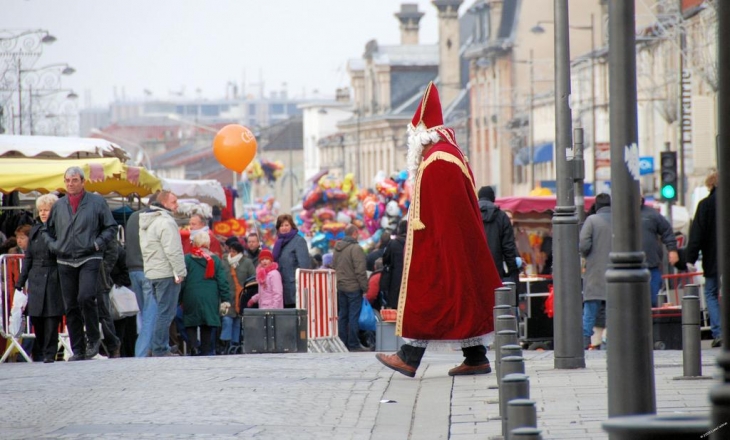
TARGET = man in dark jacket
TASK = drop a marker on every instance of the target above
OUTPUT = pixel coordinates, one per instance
(78, 230)
(500, 235)
(653, 228)
(348, 261)
(703, 238)
(392, 276)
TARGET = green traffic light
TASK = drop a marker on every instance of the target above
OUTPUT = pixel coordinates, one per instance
(668, 192)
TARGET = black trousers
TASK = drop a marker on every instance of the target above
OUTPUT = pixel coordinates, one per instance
(473, 356)
(111, 340)
(46, 337)
(127, 333)
(206, 341)
(78, 287)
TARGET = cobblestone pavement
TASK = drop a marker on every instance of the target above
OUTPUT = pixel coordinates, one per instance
(311, 396)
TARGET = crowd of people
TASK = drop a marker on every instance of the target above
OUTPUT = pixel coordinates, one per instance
(190, 288)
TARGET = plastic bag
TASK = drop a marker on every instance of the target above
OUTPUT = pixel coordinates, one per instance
(549, 311)
(367, 320)
(123, 302)
(16, 327)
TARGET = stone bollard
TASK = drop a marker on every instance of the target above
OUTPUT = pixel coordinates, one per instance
(514, 386)
(499, 311)
(504, 337)
(521, 413)
(525, 434)
(510, 365)
(691, 337)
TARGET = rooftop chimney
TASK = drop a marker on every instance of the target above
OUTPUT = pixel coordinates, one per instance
(409, 16)
(449, 62)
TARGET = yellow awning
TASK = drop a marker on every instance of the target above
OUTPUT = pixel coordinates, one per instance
(106, 175)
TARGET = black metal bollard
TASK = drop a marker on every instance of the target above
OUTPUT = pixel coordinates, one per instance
(514, 386)
(691, 337)
(521, 413)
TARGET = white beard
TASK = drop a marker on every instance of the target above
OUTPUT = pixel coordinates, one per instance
(418, 138)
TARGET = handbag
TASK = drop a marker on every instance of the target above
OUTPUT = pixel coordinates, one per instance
(123, 302)
(367, 320)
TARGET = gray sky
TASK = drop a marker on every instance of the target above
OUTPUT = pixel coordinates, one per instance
(164, 45)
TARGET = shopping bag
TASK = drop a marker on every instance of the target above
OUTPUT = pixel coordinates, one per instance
(16, 327)
(367, 319)
(124, 302)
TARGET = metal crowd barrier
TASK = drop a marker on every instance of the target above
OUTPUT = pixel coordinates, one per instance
(10, 266)
(317, 293)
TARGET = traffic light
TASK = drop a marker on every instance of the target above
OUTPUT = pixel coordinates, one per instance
(669, 176)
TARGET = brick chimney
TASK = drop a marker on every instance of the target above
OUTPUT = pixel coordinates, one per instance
(409, 16)
(449, 62)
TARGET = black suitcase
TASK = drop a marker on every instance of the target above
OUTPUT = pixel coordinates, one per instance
(667, 328)
(274, 331)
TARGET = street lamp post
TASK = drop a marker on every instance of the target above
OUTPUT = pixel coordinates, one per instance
(16, 46)
(628, 309)
(46, 76)
(568, 329)
(538, 29)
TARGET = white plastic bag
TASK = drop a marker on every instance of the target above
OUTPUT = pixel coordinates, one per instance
(124, 302)
(15, 328)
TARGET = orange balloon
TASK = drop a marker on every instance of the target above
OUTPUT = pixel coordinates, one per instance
(235, 147)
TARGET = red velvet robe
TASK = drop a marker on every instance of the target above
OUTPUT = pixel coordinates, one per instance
(449, 275)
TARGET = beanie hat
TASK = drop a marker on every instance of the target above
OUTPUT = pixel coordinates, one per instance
(266, 255)
(486, 193)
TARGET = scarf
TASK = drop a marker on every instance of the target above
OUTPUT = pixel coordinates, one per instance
(282, 241)
(233, 261)
(209, 263)
(261, 272)
(75, 200)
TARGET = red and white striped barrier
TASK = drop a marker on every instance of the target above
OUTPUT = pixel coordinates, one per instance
(317, 293)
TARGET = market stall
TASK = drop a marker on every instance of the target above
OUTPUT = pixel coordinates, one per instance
(106, 175)
(55, 147)
(206, 191)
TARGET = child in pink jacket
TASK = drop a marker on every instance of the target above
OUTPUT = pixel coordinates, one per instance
(271, 290)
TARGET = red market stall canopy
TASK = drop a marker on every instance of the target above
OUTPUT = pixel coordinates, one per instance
(526, 205)
(106, 175)
(533, 212)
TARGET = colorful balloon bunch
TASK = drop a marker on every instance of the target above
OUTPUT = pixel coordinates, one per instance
(331, 204)
(328, 207)
(265, 171)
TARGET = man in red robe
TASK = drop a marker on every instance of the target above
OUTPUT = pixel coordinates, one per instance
(449, 277)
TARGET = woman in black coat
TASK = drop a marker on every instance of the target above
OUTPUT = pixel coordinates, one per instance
(45, 303)
(393, 263)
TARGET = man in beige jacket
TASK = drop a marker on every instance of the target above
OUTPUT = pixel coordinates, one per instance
(164, 265)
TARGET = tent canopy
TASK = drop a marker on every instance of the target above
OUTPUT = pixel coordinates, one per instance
(206, 191)
(54, 147)
(107, 175)
(540, 204)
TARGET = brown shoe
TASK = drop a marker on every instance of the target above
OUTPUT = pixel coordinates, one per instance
(466, 370)
(394, 362)
(115, 353)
